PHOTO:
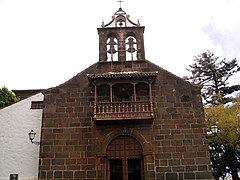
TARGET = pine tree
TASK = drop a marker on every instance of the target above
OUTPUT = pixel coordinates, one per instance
(212, 73)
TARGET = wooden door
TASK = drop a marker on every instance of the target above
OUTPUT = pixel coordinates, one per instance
(124, 159)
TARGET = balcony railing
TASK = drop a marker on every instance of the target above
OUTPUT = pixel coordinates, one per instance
(123, 110)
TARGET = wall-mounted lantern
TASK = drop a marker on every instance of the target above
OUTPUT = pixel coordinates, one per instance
(214, 129)
(31, 136)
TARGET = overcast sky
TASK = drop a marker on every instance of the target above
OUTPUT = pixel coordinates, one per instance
(43, 43)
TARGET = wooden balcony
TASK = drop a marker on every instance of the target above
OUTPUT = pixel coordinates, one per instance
(104, 111)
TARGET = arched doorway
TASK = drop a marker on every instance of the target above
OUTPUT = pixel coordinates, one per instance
(125, 160)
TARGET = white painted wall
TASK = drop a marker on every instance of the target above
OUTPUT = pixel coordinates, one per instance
(17, 154)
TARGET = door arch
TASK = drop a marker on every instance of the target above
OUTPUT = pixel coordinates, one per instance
(125, 160)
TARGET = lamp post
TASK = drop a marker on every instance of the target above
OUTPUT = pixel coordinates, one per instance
(31, 136)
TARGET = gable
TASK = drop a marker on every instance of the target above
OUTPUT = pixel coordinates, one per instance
(164, 77)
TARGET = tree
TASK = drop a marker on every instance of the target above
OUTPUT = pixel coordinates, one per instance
(7, 97)
(225, 144)
(212, 73)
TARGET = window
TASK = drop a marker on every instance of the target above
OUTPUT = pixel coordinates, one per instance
(103, 93)
(37, 105)
(122, 92)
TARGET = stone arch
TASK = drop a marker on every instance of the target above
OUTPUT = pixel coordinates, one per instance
(147, 147)
(112, 46)
(131, 33)
(123, 143)
(120, 21)
(131, 44)
(112, 34)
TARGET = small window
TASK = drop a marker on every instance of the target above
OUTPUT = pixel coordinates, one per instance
(37, 105)
(103, 93)
(13, 176)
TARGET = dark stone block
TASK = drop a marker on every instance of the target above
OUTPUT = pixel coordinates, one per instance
(189, 175)
(171, 176)
(203, 175)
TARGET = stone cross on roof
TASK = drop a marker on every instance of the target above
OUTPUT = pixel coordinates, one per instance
(120, 2)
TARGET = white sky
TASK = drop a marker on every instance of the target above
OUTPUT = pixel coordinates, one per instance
(43, 43)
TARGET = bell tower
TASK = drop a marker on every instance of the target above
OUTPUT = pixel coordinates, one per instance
(121, 39)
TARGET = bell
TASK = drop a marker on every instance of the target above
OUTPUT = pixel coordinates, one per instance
(131, 42)
(112, 43)
(131, 49)
(111, 50)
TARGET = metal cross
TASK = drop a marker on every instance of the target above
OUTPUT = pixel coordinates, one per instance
(120, 1)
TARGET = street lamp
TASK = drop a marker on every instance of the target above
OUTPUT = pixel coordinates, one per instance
(214, 129)
(31, 136)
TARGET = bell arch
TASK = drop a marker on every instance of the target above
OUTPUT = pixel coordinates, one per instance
(131, 48)
(112, 47)
(126, 41)
(120, 21)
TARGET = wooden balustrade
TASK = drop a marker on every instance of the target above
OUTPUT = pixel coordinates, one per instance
(123, 110)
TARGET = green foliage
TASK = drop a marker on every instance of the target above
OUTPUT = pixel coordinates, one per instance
(212, 73)
(228, 123)
(224, 146)
(7, 97)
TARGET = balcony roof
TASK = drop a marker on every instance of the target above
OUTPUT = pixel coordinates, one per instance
(123, 75)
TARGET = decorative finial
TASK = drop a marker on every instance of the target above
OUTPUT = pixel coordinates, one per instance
(120, 2)
(138, 22)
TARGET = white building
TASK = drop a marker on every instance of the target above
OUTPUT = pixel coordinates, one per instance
(18, 156)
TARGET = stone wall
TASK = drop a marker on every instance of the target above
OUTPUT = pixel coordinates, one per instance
(174, 144)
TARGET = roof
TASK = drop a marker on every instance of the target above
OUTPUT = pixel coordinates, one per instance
(117, 75)
(23, 94)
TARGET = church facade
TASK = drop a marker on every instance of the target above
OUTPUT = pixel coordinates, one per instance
(123, 118)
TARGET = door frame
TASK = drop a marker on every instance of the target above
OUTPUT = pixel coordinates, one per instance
(124, 147)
